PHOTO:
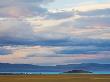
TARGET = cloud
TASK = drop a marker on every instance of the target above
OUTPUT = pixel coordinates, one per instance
(94, 6)
(84, 50)
(15, 29)
(38, 55)
(23, 8)
(4, 51)
(60, 15)
(91, 18)
(93, 24)
(97, 12)
(36, 35)
(92, 21)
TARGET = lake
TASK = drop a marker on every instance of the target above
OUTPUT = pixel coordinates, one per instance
(52, 73)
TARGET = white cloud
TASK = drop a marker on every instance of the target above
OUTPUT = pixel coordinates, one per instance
(15, 28)
(89, 7)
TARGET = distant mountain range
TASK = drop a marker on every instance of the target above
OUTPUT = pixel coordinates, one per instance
(6, 67)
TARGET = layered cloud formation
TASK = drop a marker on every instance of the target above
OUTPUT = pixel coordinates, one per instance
(23, 8)
(32, 33)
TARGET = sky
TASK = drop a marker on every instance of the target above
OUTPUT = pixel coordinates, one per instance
(54, 32)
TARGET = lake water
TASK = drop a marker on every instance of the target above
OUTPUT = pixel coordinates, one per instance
(51, 73)
(102, 72)
(33, 72)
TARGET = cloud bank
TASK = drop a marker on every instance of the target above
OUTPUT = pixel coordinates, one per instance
(31, 33)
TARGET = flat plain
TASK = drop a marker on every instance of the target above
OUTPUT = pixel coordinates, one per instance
(55, 78)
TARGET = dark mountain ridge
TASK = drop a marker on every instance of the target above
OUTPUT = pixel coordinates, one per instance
(6, 67)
